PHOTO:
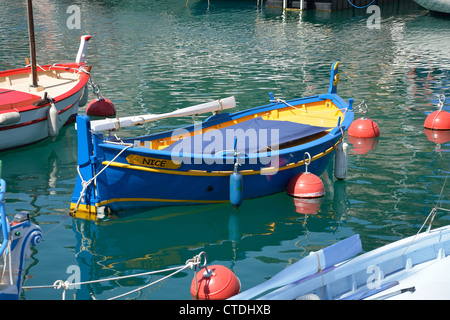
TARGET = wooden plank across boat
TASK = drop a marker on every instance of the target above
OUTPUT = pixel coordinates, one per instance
(193, 165)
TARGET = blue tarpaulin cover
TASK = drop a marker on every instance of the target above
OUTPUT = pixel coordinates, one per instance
(252, 136)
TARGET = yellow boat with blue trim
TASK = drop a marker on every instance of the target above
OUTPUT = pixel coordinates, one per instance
(227, 158)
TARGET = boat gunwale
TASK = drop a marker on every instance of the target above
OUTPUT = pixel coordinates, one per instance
(80, 83)
(340, 104)
(392, 257)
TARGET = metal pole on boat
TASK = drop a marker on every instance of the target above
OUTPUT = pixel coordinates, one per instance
(32, 44)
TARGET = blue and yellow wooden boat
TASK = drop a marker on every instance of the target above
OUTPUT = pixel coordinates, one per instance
(226, 158)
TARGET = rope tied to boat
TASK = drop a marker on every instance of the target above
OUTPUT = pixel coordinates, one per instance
(321, 273)
(85, 184)
(277, 100)
(362, 108)
(192, 263)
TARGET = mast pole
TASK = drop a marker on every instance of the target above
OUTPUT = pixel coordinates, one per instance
(32, 44)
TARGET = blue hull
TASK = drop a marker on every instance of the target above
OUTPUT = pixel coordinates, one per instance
(130, 176)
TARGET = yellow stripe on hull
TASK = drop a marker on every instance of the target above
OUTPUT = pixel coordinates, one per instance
(202, 173)
(103, 203)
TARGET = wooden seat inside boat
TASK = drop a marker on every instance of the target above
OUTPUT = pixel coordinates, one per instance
(54, 82)
(12, 99)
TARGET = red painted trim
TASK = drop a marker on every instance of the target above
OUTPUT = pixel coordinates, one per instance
(14, 126)
(64, 66)
(24, 124)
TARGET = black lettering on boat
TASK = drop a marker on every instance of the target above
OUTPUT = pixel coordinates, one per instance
(152, 162)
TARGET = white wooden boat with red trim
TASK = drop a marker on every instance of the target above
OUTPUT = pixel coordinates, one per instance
(30, 113)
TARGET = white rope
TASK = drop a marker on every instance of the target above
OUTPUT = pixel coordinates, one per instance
(85, 184)
(65, 285)
(344, 110)
(148, 285)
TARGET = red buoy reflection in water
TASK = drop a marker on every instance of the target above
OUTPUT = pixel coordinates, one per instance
(362, 145)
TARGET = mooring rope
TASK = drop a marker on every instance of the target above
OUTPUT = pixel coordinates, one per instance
(196, 261)
(86, 184)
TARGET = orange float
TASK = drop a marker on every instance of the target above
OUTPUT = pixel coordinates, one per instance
(364, 127)
(306, 184)
(215, 282)
(439, 119)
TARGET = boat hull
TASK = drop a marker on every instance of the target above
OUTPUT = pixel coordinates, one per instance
(412, 268)
(125, 186)
(149, 171)
(441, 6)
(32, 123)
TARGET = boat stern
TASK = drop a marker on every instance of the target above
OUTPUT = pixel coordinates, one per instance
(84, 200)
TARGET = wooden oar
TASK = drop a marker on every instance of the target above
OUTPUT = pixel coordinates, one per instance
(309, 265)
(115, 124)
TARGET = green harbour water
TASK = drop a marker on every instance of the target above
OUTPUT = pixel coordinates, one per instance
(158, 56)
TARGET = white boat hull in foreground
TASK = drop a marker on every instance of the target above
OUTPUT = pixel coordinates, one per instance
(416, 267)
(442, 6)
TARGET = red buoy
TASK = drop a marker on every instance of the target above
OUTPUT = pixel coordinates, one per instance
(215, 283)
(305, 185)
(438, 120)
(101, 107)
(364, 128)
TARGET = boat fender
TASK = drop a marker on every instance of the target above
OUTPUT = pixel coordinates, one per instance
(52, 121)
(9, 118)
(341, 161)
(236, 188)
(439, 119)
(215, 282)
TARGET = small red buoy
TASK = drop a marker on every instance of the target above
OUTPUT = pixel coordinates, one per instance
(305, 185)
(364, 128)
(438, 120)
(215, 282)
(101, 107)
